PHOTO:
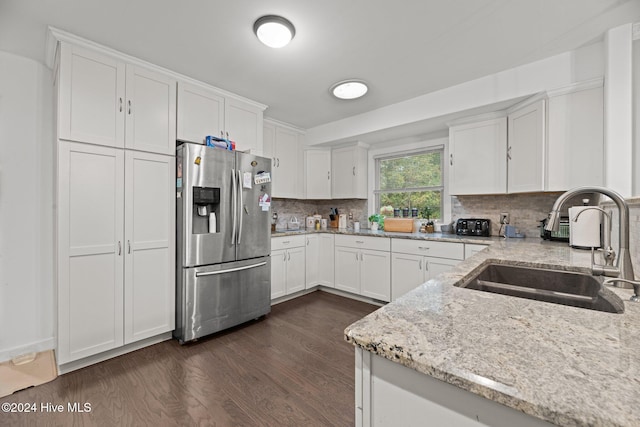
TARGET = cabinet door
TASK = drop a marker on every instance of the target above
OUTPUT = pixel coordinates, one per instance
(576, 140)
(295, 269)
(243, 124)
(312, 260)
(285, 179)
(91, 97)
(375, 274)
(436, 266)
(149, 297)
(200, 113)
(407, 273)
(150, 111)
(90, 249)
(347, 269)
(343, 170)
(478, 156)
(317, 173)
(326, 260)
(278, 278)
(525, 155)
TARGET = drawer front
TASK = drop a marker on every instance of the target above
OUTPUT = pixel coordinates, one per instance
(430, 248)
(363, 242)
(287, 242)
(472, 248)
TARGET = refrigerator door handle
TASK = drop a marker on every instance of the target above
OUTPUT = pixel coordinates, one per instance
(240, 206)
(230, 270)
(234, 202)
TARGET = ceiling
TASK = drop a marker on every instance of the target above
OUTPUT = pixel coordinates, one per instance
(402, 49)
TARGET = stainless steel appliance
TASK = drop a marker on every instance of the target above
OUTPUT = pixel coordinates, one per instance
(223, 239)
(561, 235)
(473, 227)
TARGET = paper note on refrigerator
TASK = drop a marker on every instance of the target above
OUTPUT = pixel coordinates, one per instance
(264, 202)
(246, 180)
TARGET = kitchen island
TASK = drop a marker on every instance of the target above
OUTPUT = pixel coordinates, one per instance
(444, 355)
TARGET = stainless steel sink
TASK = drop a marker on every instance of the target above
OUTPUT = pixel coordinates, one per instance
(555, 286)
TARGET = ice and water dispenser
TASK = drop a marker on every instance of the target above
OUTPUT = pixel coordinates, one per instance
(206, 209)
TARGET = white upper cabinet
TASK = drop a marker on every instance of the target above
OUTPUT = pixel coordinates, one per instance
(205, 111)
(478, 156)
(91, 97)
(105, 101)
(317, 174)
(525, 152)
(200, 113)
(576, 138)
(282, 145)
(150, 111)
(349, 173)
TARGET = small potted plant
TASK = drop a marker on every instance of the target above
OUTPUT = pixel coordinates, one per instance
(429, 225)
(376, 221)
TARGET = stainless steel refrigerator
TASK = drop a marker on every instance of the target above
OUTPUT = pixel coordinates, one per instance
(223, 239)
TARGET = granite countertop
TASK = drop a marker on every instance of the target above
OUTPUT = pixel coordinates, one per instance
(445, 237)
(569, 366)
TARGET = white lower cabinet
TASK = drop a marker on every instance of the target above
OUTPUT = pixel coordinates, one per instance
(472, 249)
(320, 260)
(116, 248)
(414, 262)
(363, 266)
(287, 265)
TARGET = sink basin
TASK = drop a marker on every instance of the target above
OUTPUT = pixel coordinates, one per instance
(555, 286)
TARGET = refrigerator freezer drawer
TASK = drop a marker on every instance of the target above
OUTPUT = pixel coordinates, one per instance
(217, 297)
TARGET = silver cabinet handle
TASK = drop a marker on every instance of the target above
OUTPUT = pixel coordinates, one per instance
(129, 246)
(227, 135)
(360, 241)
(328, 174)
(420, 265)
(278, 161)
(451, 159)
(274, 162)
(288, 256)
(356, 256)
(129, 104)
(509, 153)
(424, 248)
(307, 242)
(284, 257)
(120, 104)
(286, 242)
(222, 134)
(119, 247)
(354, 171)
(426, 266)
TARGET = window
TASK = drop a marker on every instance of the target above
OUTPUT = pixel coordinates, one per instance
(411, 180)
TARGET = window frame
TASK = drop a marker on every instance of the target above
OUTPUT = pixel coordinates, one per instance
(409, 153)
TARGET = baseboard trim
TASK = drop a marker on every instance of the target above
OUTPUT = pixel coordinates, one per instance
(328, 290)
(33, 347)
(101, 357)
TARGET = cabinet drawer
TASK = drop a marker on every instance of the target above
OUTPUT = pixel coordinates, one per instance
(429, 248)
(363, 242)
(472, 248)
(287, 242)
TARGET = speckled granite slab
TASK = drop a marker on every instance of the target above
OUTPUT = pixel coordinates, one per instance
(569, 366)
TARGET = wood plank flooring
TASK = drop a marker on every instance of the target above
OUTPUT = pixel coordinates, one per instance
(292, 368)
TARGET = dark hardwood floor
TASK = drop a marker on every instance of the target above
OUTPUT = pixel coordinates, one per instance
(291, 368)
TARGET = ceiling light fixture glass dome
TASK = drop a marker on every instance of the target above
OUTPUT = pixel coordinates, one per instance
(349, 89)
(274, 31)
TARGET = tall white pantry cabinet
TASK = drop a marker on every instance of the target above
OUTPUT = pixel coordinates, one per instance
(115, 225)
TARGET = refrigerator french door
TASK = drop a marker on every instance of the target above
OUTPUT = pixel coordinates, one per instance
(223, 239)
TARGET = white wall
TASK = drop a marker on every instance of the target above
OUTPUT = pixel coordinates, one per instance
(26, 207)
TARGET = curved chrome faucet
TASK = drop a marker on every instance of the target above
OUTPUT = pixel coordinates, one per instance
(623, 270)
(608, 252)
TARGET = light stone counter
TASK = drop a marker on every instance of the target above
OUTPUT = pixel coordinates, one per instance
(569, 366)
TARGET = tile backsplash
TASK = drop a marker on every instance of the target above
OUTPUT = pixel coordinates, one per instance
(286, 208)
(525, 210)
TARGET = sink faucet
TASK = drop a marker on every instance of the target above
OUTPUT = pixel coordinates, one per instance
(623, 270)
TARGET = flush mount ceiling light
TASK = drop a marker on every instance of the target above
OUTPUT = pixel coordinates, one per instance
(349, 89)
(274, 31)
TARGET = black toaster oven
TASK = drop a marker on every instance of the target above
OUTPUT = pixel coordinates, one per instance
(473, 227)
